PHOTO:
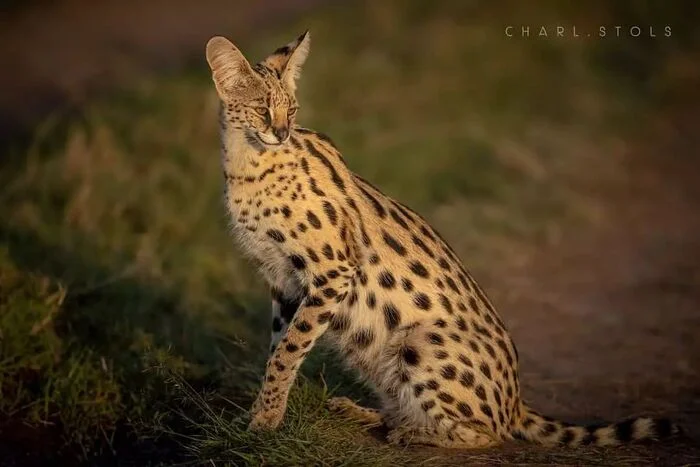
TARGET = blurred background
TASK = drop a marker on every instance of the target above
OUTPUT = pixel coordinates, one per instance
(560, 162)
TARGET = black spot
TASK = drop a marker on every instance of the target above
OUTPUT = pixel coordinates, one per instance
(279, 366)
(276, 324)
(305, 165)
(312, 255)
(435, 339)
(324, 138)
(284, 50)
(393, 243)
(352, 298)
(466, 379)
(474, 346)
(663, 427)
(303, 326)
(449, 372)
(426, 232)
(340, 323)
(363, 277)
(266, 212)
(392, 317)
(528, 422)
(446, 304)
(314, 187)
(440, 323)
(313, 301)
(381, 212)
(486, 410)
(501, 343)
(497, 396)
(481, 330)
(418, 389)
(480, 392)
(386, 280)
(410, 355)
(313, 220)
(302, 227)
(373, 259)
(567, 436)
(433, 385)
(441, 354)
(330, 212)
(418, 269)
(365, 237)
(371, 300)
(427, 405)
(591, 435)
(489, 350)
(466, 360)
(292, 347)
(407, 284)
(286, 212)
(340, 297)
(363, 338)
(451, 284)
(298, 262)
(332, 273)
(398, 219)
(464, 409)
(324, 160)
(445, 397)
(464, 281)
(548, 428)
(320, 281)
(461, 323)
(419, 243)
(444, 264)
(324, 317)
(455, 337)
(624, 430)
(330, 292)
(295, 142)
(422, 301)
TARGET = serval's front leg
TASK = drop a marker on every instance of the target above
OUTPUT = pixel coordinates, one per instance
(309, 323)
(285, 303)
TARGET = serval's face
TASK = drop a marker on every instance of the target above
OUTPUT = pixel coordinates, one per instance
(258, 99)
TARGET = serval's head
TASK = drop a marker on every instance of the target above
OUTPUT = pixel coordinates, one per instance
(258, 99)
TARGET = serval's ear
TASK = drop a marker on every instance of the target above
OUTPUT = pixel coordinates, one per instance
(230, 70)
(288, 60)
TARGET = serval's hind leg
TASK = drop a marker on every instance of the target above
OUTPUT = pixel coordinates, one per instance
(353, 411)
(459, 436)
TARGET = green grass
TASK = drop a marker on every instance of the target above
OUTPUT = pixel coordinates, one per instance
(129, 324)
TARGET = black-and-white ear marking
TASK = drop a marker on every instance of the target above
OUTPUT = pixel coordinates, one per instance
(230, 69)
(288, 60)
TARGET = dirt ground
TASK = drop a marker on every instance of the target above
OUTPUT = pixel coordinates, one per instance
(605, 320)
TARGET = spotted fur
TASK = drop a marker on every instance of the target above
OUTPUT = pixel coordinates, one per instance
(349, 263)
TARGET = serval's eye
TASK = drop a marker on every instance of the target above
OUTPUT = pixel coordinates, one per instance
(261, 110)
(292, 111)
